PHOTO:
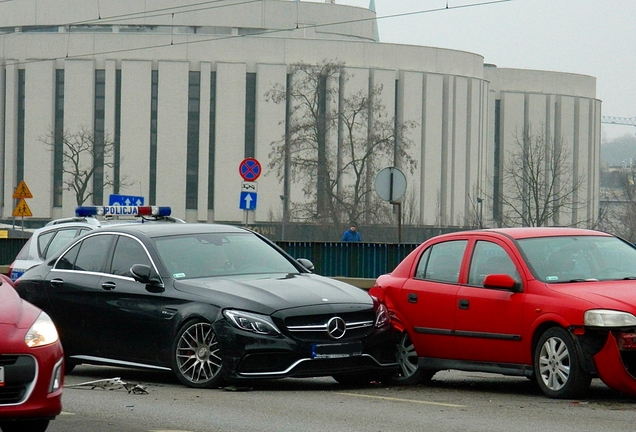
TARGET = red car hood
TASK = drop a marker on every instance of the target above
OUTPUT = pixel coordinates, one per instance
(615, 295)
(14, 312)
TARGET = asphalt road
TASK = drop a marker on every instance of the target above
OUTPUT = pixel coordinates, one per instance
(454, 401)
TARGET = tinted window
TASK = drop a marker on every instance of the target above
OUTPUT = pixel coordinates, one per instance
(444, 261)
(93, 252)
(67, 261)
(210, 254)
(128, 252)
(490, 258)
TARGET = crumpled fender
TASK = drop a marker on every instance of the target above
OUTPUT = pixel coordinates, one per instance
(611, 369)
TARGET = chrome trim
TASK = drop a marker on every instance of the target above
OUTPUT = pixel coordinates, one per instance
(323, 327)
(296, 363)
(93, 359)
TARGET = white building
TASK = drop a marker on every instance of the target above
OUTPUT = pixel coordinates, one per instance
(180, 87)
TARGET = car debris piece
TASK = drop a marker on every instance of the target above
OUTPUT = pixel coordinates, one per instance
(111, 384)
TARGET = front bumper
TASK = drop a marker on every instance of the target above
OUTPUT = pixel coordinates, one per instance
(251, 356)
(29, 391)
(611, 370)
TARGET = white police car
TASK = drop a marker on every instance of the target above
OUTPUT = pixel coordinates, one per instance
(46, 241)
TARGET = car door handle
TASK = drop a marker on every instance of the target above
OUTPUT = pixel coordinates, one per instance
(108, 286)
(57, 282)
(412, 298)
(464, 304)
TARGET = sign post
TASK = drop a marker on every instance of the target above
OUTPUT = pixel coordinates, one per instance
(390, 185)
(249, 170)
(21, 209)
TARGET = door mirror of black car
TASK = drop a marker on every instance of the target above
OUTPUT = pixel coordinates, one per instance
(501, 281)
(306, 263)
(145, 275)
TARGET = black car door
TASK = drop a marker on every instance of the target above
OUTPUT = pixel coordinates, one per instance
(133, 319)
(71, 286)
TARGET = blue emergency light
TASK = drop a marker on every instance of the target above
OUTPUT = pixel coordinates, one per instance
(87, 211)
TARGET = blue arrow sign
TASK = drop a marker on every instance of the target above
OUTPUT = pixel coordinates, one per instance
(248, 201)
(125, 200)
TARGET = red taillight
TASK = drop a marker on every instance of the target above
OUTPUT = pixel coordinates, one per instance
(626, 341)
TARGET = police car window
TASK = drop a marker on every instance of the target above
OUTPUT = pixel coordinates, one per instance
(490, 258)
(128, 252)
(93, 252)
(43, 242)
(60, 239)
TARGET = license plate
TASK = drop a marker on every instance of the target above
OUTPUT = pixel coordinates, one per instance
(1, 376)
(336, 350)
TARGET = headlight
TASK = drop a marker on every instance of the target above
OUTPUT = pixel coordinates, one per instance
(381, 316)
(609, 318)
(42, 332)
(255, 323)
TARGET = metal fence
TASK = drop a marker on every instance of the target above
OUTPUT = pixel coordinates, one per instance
(357, 260)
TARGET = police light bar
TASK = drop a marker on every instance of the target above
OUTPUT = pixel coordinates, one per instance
(86, 211)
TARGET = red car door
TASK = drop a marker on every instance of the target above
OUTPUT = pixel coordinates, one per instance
(427, 299)
(489, 321)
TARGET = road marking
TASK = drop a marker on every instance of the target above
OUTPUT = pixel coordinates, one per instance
(402, 400)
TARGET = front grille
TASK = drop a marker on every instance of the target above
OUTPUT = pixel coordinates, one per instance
(313, 328)
(19, 374)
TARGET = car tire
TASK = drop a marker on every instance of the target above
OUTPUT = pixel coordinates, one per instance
(410, 373)
(196, 359)
(557, 366)
(24, 426)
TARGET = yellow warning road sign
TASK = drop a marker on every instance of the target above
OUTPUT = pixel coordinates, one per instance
(22, 209)
(22, 191)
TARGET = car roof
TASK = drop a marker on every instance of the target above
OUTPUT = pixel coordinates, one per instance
(531, 232)
(159, 230)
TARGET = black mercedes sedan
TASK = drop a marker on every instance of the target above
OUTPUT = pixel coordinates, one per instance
(212, 303)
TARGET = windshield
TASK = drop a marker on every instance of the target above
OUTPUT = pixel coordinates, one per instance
(579, 258)
(220, 254)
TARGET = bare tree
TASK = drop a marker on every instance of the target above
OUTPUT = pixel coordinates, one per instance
(618, 203)
(336, 179)
(538, 182)
(80, 151)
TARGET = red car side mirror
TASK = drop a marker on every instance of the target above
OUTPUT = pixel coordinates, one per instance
(500, 281)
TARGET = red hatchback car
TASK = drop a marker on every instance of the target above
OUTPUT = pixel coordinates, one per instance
(31, 364)
(553, 304)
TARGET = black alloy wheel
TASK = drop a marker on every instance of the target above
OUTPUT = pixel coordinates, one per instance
(196, 356)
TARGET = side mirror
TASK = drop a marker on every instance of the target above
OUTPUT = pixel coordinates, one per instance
(145, 275)
(501, 281)
(306, 263)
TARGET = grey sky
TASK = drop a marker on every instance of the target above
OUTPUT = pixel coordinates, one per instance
(590, 37)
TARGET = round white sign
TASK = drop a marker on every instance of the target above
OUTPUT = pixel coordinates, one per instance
(390, 184)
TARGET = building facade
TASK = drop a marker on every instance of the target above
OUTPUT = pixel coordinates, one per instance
(179, 88)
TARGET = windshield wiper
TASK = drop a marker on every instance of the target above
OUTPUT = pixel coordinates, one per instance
(630, 278)
(584, 280)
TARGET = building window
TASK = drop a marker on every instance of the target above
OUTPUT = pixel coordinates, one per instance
(212, 141)
(250, 115)
(154, 92)
(21, 115)
(58, 140)
(192, 159)
(117, 137)
(98, 136)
